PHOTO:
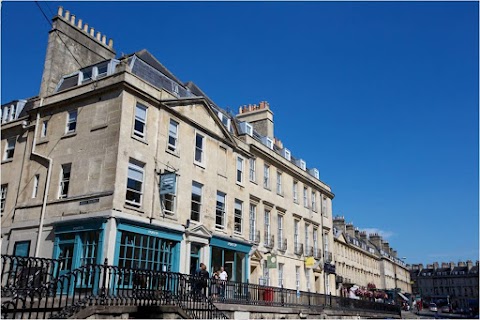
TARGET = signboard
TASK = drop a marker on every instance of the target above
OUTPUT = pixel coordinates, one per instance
(167, 183)
(272, 261)
(309, 262)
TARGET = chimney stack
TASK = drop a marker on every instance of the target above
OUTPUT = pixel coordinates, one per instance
(59, 61)
(350, 229)
(435, 265)
(259, 116)
(376, 239)
(363, 236)
(339, 223)
(469, 264)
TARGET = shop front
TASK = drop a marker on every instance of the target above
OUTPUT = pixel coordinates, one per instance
(233, 255)
(147, 247)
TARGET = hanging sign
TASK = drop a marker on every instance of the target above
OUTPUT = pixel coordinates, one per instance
(272, 261)
(167, 183)
(309, 262)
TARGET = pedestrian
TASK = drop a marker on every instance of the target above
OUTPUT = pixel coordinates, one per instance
(223, 280)
(215, 285)
(204, 275)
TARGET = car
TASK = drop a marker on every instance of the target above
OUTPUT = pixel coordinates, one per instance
(432, 307)
(445, 309)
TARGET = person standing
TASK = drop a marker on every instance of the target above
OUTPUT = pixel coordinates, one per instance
(204, 275)
(223, 280)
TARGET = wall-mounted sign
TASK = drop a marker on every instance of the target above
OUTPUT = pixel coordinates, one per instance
(272, 261)
(167, 183)
(309, 262)
(329, 268)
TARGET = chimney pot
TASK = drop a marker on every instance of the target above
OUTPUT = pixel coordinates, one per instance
(104, 39)
(80, 22)
(99, 35)
(67, 15)
(72, 19)
(110, 43)
(85, 28)
(60, 11)
(92, 32)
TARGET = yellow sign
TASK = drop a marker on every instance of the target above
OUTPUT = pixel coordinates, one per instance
(309, 262)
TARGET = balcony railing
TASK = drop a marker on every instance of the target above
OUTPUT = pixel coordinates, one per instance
(282, 245)
(256, 237)
(309, 251)
(269, 241)
(298, 248)
(317, 253)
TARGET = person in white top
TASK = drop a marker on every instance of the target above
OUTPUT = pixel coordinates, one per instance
(223, 279)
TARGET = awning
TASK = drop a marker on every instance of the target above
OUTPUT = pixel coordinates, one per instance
(403, 297)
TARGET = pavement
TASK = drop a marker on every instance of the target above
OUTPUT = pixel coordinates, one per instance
(426, 314)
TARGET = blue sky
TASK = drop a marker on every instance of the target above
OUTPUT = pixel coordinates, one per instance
(381, 97)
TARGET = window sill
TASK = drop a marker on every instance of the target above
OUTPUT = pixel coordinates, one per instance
(7, 160)
(41, 141)
(267, 188)
(98, 127)
(254, 182)
(139, 139)
(240, 184)
(199, 164)
(280, 194)
(133, 207)
(173, 153)
(69, 135)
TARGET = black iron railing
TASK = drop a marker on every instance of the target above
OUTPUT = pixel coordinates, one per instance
(298, 248)
(317, 253)
(91, 285)
(309, 251)
(269, 240)
(328, 256)
(108, 285)
(20, 275)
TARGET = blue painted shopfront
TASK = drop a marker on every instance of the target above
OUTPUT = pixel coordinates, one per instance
(147, 247)
(233, 255)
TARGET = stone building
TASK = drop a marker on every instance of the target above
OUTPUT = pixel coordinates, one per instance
(117, 159)
(445, 283)
(364, 261)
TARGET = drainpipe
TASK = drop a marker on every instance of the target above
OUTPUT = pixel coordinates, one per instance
(47, 183)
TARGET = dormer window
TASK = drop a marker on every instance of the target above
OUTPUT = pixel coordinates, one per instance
(87, 74)
(102, 70)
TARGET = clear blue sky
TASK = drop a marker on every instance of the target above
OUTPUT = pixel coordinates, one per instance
(382, 97)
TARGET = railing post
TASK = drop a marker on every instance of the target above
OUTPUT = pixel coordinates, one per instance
(281, 295)
(104, 283)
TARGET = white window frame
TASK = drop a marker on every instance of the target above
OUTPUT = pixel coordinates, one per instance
(137, 133)
(252, 172)
(295, 191)
(307, 279)
(252, 222)
(172, 135)
(266, 176)
(3, 196)
(222, 210)
(307, 236)
(36, 180)
(43, 133)
(199, 203)
(172, 198)
(314, 200)
(238, 214)
(324, 205)
(280, 230)
(279, 183)
(266, 273)
(315, 240)
(295, 234)
(305, 197)
(239, 176)
(64, 180)
(10, 148)
(201, 149)
(71, 120)
(267, 227)
(138, 167)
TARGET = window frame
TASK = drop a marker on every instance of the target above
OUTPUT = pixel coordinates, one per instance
(62, 194)
(238, 215)
(173, 147)
(266, 176)
(281, 267)
(305, 197)
(44, 131)
(252, 170)
(239, 170)
(252, 222)
(280, 233)
(3, 196)
(267, 225)
(71, 121)
(295, 191)
(201, 150)
(172, 198)
(10, 148)
(314, 200)
(136, 133)
(221, 210)
(279, 183)
(199, 203)
(138, 166)
(36, 184)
